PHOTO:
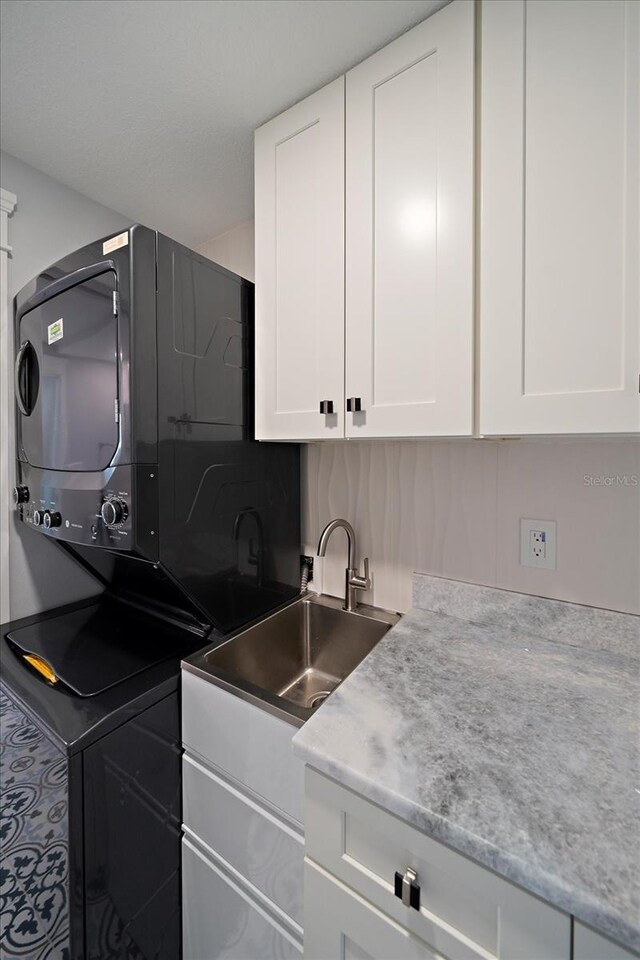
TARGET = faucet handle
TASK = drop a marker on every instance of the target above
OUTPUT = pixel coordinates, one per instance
(361, 583)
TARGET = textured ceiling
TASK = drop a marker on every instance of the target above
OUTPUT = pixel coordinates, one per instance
(149, 106)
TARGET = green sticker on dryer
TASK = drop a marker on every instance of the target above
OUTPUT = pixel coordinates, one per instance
(55, 331)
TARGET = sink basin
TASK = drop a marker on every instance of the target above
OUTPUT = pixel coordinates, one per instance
(294, 659)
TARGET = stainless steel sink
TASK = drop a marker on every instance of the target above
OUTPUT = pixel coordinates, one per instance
(293, 660)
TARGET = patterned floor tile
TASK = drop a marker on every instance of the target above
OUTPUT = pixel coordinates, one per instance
(33, 840)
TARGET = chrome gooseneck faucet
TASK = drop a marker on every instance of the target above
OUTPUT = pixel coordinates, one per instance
(353, 581)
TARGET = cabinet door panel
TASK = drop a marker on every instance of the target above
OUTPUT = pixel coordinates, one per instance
(221, 920)
(409, 229)
(559, 308)
(299, 158)
(248, 744)
(342, 926)
(465, 910)
(266, 851)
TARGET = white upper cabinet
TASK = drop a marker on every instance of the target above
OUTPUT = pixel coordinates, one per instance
(366, 233)
(299, 162)
(409, 232)
(559, 255)
(409, 258)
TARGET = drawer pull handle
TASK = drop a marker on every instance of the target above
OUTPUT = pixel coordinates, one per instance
(326, 406)
(407, 888)
(354, 404)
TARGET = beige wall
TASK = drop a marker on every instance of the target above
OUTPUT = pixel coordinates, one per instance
(233, 250)
(453, 508)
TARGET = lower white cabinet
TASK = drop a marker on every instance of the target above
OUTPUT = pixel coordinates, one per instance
(243, 843)
(343, 926)
(221, 921)
(251, 746)
(244, 846)
(256, 844)
(466, 912)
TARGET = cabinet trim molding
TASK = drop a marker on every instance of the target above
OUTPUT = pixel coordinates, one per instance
(8, 203)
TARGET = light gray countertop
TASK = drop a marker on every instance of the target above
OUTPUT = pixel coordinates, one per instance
(507, 727)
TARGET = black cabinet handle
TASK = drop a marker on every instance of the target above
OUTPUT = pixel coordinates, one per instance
(326, 406)
(407, 888)
(354, 404)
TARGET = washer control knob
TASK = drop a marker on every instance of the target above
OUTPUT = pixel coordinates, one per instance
(38, 517)
(20, 494)
(113, 512)
(51, 519)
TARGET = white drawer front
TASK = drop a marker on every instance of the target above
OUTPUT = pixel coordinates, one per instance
(244, 741)
(364, 846)
(342, 926)
(267, 852)
(222, 922)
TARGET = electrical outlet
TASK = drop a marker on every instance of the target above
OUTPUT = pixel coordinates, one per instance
(538, 544)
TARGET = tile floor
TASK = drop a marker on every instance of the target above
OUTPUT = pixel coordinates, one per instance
(34, 922)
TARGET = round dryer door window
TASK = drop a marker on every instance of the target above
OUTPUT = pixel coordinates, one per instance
(67, 378)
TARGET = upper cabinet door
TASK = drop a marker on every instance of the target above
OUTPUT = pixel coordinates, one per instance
(409, 232)
(299, 158)
(559, 304)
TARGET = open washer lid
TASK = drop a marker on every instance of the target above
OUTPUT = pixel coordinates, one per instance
(92, 649)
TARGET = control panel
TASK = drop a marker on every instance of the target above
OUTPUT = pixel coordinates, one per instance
(93, 509)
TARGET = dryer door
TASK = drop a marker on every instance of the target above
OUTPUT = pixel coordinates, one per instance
(67, 378)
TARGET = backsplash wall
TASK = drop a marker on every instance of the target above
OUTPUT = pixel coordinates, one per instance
(453, 509)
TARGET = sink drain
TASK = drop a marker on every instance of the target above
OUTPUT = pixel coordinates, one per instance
(316, 700)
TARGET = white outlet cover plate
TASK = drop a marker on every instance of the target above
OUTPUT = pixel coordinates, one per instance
(527, 557)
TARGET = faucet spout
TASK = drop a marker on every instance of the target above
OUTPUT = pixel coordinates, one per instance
(351, 539)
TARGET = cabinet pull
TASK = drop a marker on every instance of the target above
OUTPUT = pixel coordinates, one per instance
(326, 406)
(354, 404)
(407, 888)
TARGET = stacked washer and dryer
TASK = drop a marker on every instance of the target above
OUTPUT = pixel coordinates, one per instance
(134, 405)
